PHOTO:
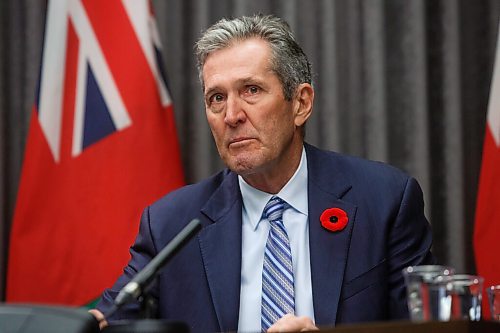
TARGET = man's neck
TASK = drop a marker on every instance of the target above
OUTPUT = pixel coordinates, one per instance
(275, 177)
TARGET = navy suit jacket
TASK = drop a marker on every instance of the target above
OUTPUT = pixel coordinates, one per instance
(356, 272)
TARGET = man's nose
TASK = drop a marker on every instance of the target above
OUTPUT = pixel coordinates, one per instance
(235, 113)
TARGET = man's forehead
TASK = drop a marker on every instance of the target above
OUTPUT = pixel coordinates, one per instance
(250, 47)
(224, 67)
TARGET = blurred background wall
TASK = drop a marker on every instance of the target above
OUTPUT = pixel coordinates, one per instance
(400, 81)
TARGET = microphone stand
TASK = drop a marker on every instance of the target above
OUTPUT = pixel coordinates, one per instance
(149, 306)
(138, 287)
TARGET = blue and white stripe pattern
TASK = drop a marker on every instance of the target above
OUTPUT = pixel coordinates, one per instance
(277, 273)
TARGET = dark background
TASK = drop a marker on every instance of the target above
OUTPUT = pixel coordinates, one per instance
(401, 81)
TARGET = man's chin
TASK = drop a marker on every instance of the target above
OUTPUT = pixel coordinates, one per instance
(242, 167)
(243, 170)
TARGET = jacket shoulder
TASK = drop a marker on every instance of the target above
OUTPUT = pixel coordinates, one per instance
(190, 197)
(355, 170)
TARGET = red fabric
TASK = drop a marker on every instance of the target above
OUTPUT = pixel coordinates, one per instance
(76, 218)
(487, 223)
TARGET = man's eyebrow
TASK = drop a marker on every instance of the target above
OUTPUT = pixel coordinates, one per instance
(250, 80)
(242, 81)
(209, 91)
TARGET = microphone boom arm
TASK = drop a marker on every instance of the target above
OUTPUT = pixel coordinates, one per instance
(136, 287)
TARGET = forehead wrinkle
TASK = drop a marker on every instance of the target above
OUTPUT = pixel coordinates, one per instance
(249, 78)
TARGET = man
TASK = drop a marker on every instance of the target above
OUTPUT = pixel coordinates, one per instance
(293, 237)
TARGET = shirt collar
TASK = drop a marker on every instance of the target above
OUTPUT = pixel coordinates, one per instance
(294, 193)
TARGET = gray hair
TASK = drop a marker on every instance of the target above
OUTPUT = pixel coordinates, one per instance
(288, 61)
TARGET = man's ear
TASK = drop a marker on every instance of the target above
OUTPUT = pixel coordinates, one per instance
(303, 103)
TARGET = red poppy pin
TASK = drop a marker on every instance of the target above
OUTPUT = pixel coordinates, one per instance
(334, 219)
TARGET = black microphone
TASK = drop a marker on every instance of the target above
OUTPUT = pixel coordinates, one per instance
(135, 288)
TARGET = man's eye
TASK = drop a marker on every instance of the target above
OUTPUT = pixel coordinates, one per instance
(216, 98)
(253, 89)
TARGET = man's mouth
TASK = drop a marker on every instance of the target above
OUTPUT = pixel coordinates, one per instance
(236, 142)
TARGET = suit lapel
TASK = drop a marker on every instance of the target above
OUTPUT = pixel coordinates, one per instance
(220, 244)
(329, 250)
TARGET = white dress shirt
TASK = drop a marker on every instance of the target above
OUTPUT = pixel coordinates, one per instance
(255, 231)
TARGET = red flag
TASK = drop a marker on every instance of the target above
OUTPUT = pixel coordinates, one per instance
(487, 223)
(102, 145)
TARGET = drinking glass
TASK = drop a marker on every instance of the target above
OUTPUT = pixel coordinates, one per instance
(465, 294)
(426, 292)
(494, 301)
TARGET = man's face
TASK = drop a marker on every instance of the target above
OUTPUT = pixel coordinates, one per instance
(254, 127)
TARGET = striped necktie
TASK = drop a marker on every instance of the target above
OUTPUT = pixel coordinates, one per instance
(277, 272)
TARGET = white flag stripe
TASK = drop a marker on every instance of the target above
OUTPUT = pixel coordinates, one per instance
(81, 90)
(138, 13)
(494, 102)
(92, 51)
(51, 76)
